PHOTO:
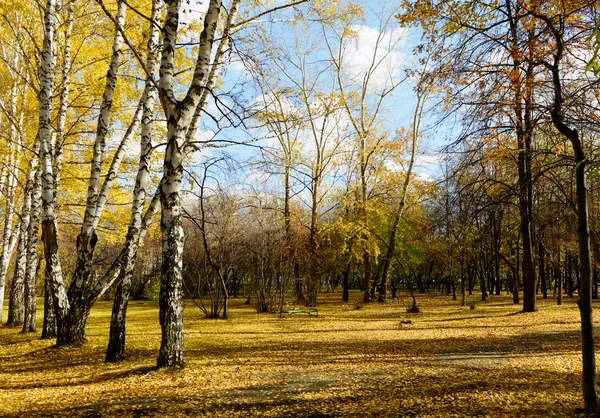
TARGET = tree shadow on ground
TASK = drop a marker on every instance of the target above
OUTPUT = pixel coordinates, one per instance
(470, 395)
(385, 371)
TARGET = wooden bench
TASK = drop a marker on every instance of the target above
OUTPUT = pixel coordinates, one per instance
(309, 311)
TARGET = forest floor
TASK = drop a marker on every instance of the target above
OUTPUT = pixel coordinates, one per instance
(377, 361)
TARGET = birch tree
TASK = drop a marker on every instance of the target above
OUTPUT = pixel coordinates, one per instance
(49, 234)
(183, 116)
(179, 115)
(138, 224)
(73, 306)
(11, 231)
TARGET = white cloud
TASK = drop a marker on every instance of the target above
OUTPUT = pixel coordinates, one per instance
(375, 53)
(428, 165)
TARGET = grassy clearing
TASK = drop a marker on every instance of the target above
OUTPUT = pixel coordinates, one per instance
(448, 362)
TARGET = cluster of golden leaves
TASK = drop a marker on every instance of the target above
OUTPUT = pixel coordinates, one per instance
(447, 361)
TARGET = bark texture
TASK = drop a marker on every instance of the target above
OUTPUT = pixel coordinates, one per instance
(179, 117)
(590, 395)
(49, 236)
(16, 309)
(71, 328)
(32, 260)
(137, 226)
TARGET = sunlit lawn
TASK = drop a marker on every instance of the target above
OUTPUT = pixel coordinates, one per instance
(448, 361)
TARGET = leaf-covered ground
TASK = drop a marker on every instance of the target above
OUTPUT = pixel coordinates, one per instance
(448, 361)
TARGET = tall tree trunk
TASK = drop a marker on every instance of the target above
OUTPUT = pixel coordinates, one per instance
(170, 296)
(73, 330)
(559, 297)
(364, 219)
(585, 262)
(299, 288)
(63, 104)
(595, 290)
(10, 236)
(313, 239)
(543, 279)
(583, 230)
(345, 283)
(312, 284)
(523, 94)
(137, 226)
(366, 275)
(49, 324)
(116, 341)
(179, 117)
(463, 285)
(482, 285)
(16, 309)
(529, 279)
(32, 260)
(49, 236)
(471, 278)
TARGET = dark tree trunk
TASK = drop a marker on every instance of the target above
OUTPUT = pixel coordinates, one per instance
(463, 291)
(388, 256)
(497, 256)
(523, 89)
(32, 263)
(585, 300)
(170, 301)
(375, 284)
(543, 272)
(595, 291)
(569, 275)
(116, 343)
(346, 280)
(583, 232)
(515, 286)
(529, 282)
(471, 278)
(482, 285)
(313, 279)
(559, 298)
(299, 293)
(71, 330)
(16, 308)
(49, 324)
(367, 276)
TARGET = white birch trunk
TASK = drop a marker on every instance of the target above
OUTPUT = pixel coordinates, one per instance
(87, 238)
(214, 70)
(31, 262)
(63, 104)
(111, 175)
(71, 329)
(179, 116)
(10, 236)
(137, 225)
(15, 305)
(49, 235)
